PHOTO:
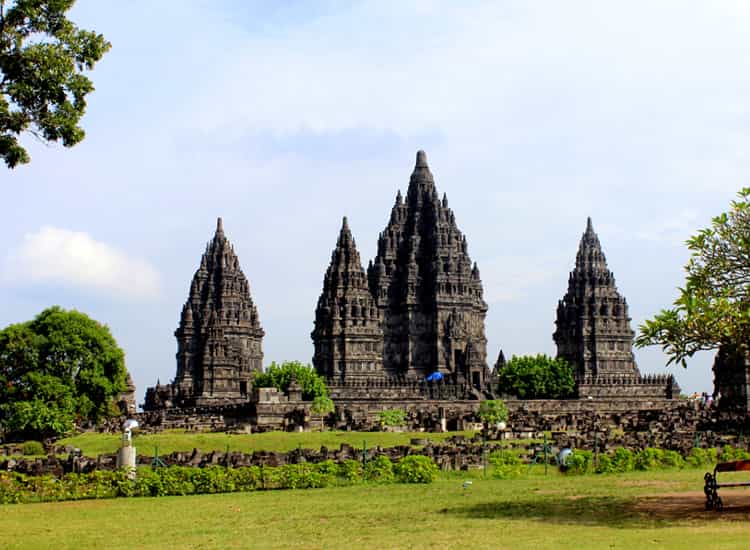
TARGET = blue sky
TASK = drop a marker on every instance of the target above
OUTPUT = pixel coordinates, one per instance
(284, 117)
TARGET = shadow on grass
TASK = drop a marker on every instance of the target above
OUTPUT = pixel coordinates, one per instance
(594, 510)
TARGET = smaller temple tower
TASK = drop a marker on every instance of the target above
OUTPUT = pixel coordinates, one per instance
(348, 336)
(219, 337)
(593, 326)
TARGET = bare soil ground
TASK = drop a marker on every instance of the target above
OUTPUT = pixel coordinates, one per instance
(691, 505)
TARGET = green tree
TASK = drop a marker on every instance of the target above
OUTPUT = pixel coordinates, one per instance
(392, 417)
(321, 406)
(713, 309)
(537, 377)
(42, 86)
(59, 367)
(280, 376)
(493, 411)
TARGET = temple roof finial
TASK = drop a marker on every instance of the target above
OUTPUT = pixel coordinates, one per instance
(421, 159)
(219, 225)
(589, 225)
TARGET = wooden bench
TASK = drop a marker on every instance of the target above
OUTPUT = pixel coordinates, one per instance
(712, 486)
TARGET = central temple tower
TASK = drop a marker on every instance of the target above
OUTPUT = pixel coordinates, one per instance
(427, 289)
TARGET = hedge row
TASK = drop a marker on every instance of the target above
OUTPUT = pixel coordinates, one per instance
(180, 480)
(625, 460)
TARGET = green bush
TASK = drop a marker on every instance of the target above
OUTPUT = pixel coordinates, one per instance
(505, 465)
(696, 458)
(622, 460)
(280, 376)
(379, 469)
(537, 377)
(648, 459)
(604, 465)
(672, 459)
(493, 411)
(579, 462)
(351, 471)
(392, 417)
(416, 469)
(31, 448)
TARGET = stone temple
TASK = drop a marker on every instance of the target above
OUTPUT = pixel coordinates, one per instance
(219, 337)
(406, 332)
(348, 335)
(421, 309)
(594, 334)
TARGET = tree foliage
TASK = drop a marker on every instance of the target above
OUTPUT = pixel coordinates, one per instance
(392, 417)
(713, 309)
(280, 376)
(322, 405)
(60, 367)
(42, 86)
(537, 377)
(493, 411)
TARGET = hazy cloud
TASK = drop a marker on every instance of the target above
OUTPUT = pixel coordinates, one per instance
(62, 257)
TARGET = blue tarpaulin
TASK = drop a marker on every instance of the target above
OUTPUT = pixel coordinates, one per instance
(434, 377)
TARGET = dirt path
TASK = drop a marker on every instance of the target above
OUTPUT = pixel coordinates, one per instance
(691, 505)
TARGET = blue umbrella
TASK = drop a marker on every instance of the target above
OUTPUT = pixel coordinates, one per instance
(434, 377)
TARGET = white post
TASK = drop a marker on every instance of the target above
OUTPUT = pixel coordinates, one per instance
(126, 460)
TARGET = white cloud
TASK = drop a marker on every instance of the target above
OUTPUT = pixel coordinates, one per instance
(71, 258)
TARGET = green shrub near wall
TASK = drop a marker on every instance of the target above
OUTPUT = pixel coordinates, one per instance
(624, 460)
(379, 469)
(183, 480)
(505, 465)
(416, 469)
(32, 448)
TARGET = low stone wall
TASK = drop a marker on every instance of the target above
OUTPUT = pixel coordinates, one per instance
(649, 386)
(456, 453)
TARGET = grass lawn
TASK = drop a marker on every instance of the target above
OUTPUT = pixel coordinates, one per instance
(636, 510)
(93, 444)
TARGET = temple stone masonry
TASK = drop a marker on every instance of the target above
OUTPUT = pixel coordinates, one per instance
(348, 335)
(732, 378)
(594, 334)
(406, 333)
(423, 311)
(219, 337)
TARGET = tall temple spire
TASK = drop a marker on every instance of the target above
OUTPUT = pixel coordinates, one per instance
(593, 328)
(219, 337)
(428, 289)
(347, 336)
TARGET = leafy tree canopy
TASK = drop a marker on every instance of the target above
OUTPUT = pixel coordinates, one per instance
(60, 367)
(42, 86)
(392, 417)
(537, 377)
(493, 411)
(322, 405)
(713, 309)
(280, 376)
